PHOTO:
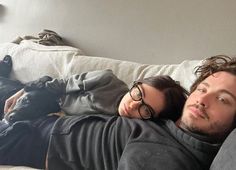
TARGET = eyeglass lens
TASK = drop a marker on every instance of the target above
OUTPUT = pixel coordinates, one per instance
(136, 95)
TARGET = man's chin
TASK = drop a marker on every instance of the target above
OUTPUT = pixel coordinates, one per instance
(190, 126)
(187, 123)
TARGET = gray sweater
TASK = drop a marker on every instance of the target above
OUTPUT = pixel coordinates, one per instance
(90, 92)
(105, 142)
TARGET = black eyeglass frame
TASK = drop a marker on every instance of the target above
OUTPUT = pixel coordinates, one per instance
(149, 108)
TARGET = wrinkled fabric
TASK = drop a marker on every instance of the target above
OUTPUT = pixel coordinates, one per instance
(25, 143)
(46, 37)
(90, 92)
(104, 142)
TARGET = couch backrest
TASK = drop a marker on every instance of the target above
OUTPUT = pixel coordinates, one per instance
(31, 61)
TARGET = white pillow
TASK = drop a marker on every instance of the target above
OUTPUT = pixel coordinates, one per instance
(32, 60)
(130, 71)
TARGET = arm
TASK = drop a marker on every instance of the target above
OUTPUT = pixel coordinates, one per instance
(10, 102)
(75, 83)
(90, 92)
(86, 81)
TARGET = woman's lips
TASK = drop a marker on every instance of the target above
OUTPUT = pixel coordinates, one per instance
(126, 112)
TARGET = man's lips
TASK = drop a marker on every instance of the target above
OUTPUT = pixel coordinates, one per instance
(198, 112)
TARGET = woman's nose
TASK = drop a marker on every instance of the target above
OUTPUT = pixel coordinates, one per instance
(134, 104)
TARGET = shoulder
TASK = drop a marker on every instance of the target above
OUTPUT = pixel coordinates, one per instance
(101, 74)
(106, 77)
(105, 74)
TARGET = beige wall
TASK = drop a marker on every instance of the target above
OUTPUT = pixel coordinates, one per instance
(147, 31)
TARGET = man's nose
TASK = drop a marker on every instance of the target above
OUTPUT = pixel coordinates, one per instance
(203, 100)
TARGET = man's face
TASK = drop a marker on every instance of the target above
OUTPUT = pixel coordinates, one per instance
(211, 108)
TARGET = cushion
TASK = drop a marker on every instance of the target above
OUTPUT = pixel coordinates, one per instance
(225, 158)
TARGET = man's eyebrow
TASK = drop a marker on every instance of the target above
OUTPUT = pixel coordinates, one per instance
(222, 91)
(205, 83)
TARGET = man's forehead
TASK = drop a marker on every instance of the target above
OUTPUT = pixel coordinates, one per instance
(223, 81)
(223, 76)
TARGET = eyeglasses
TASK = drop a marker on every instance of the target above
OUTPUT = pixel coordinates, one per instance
(145, 111)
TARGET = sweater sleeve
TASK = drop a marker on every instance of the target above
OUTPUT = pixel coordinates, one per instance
(81, 82)
(90, 92)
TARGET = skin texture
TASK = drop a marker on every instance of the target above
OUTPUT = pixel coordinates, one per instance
(211, 108)
(129, 108)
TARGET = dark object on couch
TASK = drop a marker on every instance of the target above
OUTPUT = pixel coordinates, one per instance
(5, 66)
(37, 101)
(8, 87)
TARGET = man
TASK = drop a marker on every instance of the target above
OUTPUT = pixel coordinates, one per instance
(110, 142)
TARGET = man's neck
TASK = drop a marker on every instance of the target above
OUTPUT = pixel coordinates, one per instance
(201, 137)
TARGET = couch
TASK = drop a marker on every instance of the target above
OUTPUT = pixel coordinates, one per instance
(32, 60)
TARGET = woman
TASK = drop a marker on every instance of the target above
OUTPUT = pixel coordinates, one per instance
(90, 93)
(102, 92)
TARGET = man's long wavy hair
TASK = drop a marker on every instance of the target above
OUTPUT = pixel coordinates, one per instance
(212, 65)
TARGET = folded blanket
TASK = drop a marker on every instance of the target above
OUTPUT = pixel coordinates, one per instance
(46, 37)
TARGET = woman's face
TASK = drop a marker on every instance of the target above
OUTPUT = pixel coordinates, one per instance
(141, 100)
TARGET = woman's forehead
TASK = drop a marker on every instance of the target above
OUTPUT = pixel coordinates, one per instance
(153, 97)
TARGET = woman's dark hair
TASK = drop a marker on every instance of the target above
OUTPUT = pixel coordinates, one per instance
(212, 65)
(175, 95)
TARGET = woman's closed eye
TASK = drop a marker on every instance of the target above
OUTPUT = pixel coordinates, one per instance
(138, 94)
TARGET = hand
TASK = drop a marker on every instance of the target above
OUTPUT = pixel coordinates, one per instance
(11, 101)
